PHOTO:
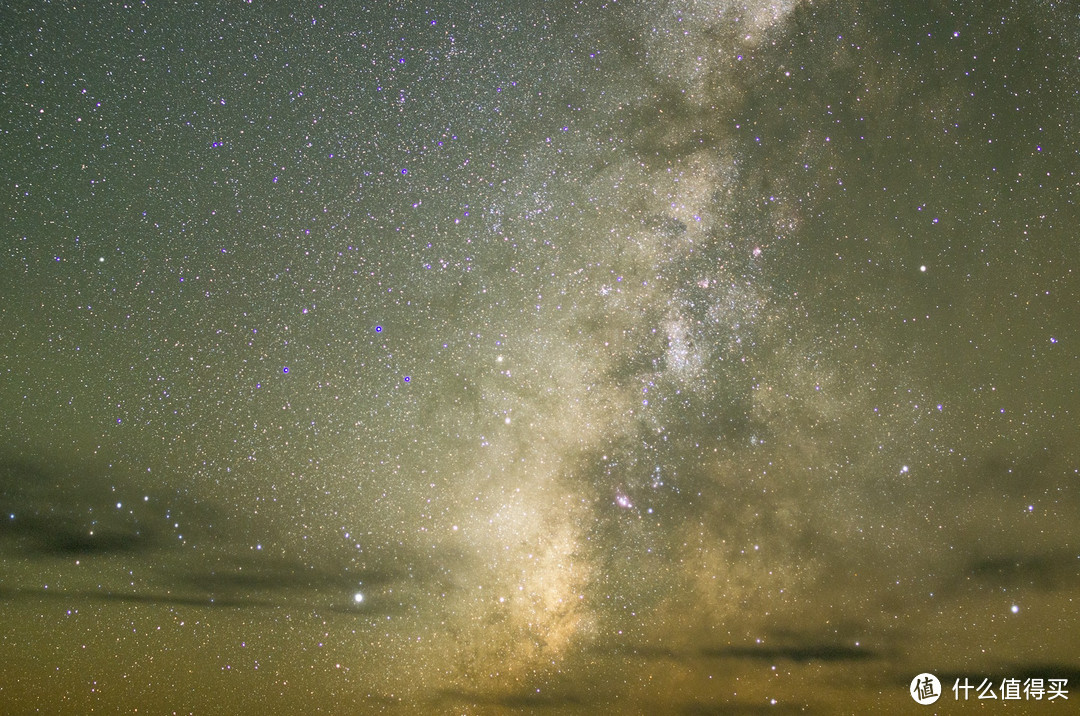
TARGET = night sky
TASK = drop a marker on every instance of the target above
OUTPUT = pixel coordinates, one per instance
(576, 357)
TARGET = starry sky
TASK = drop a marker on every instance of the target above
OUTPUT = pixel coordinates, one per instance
(692, 356)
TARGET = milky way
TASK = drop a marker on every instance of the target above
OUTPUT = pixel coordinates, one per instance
(680, 357)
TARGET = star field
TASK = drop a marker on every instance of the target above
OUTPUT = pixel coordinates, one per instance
(595, 357)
